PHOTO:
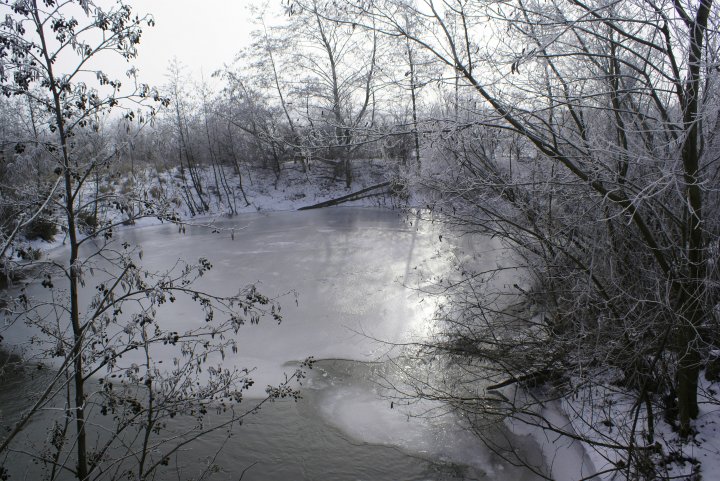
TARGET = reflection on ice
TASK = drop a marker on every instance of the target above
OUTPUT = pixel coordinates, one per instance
(345, 271)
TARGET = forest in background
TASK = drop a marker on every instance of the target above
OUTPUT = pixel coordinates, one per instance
(584, 135)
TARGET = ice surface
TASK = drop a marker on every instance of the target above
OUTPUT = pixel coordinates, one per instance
(340, 276)
(367, 417)
(350, 271)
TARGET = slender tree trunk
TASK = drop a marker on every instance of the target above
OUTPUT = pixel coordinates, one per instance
(693, 288)
(413, 98)
(74, 269)
(236, 164)
(218, 174)
(348, 172)
(185, 148)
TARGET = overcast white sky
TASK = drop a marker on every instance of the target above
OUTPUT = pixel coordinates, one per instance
(202, 34)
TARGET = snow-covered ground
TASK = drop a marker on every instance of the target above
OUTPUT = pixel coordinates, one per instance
(291, 190)
(607, 416)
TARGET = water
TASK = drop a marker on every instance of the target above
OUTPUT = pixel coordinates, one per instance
(349, 271)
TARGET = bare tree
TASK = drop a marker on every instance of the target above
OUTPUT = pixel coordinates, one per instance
(195, 198)
(609, 111)
(93, 343)
(339, 65)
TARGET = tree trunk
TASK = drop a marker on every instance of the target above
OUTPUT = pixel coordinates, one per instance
(78, 375)
(692, 312)
(348, 172)
(688, 372)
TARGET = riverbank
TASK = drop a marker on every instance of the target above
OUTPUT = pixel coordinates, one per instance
(255, 190)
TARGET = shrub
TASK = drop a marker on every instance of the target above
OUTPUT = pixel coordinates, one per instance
(41, 228)
(30, 254)
(87, 220)
(156, 192)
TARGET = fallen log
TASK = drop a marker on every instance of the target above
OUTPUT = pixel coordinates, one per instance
(534, 378)
(347, 198)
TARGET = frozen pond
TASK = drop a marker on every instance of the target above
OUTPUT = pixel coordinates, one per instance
(345, 272)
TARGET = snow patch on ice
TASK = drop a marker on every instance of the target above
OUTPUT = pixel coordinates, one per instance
(366, 416)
